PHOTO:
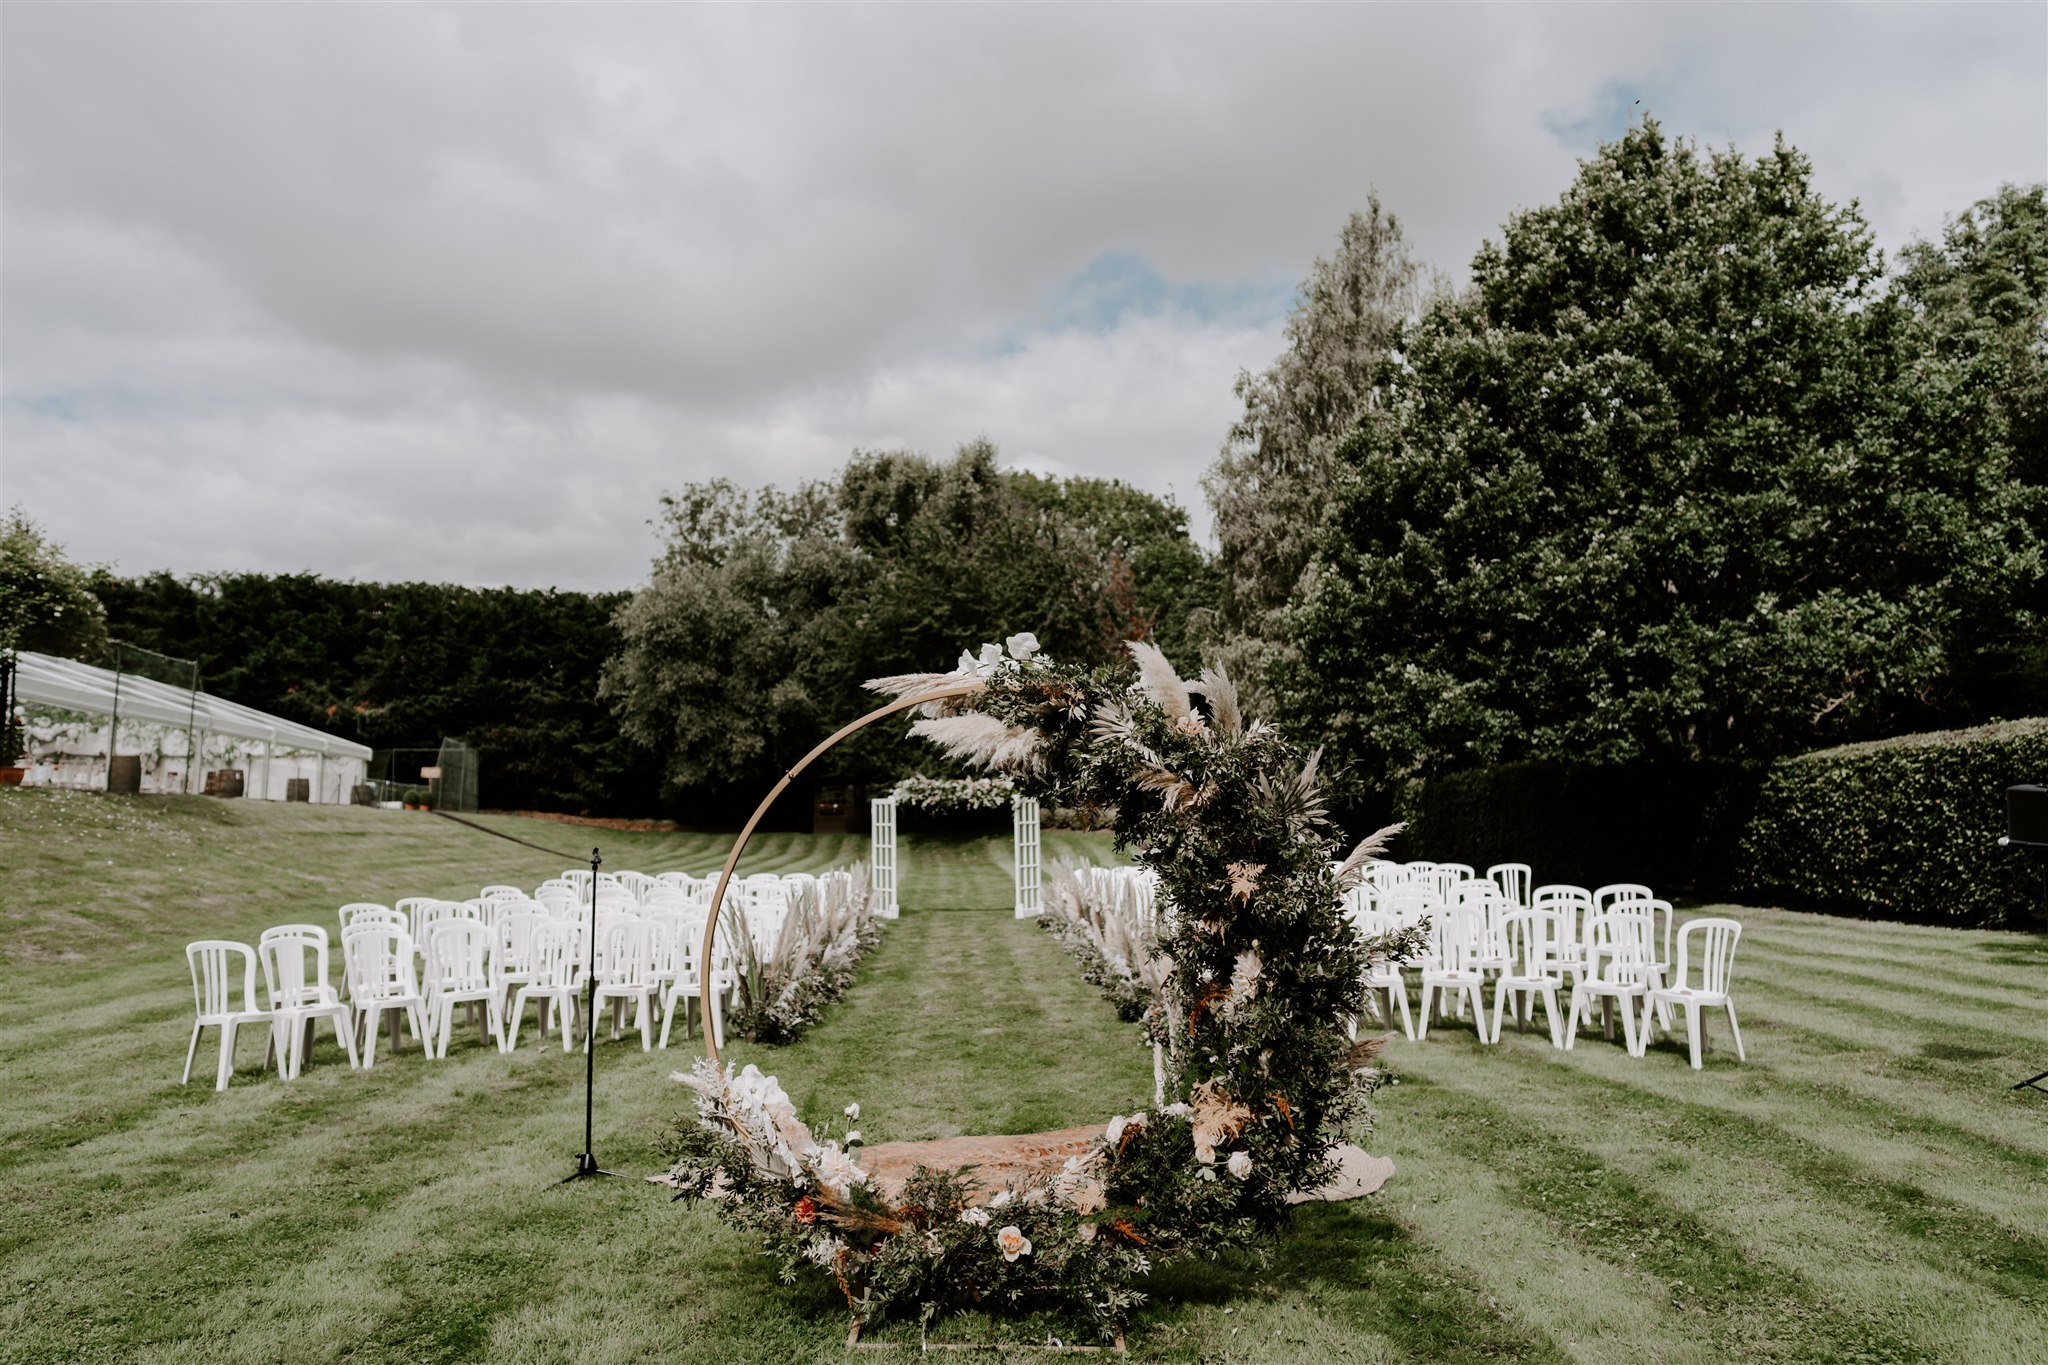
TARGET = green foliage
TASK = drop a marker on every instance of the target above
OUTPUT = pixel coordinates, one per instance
(1668, 824)
(46, 601)
(1270, 485)
(1903, 827)
(405, 664)
(1981, 295)
(768, 610)
(1672, 479)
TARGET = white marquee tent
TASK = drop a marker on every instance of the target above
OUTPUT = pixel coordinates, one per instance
(69, 709)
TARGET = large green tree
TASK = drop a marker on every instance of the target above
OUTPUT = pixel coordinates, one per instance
(1981, 294)
(46, 601)
(1673, 477)
(1270, 485)
(769, 610)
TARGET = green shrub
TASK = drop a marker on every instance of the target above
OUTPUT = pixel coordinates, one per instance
(1903, 828)
(1670, 825)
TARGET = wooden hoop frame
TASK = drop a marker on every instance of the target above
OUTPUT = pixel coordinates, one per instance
(732, 861)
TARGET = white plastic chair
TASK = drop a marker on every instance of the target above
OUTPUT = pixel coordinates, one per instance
(1513, 880)
(1456, 937)
(624, 964)
(295, 978)
(383, 981)
(1715, 957)
(1617, 971)
(356, 910)
(1386, 977)
(557, 980)
(1531, 939)
(459, 972)
(502, 892)
(690, 982)
(1572, 905)
(215, 963)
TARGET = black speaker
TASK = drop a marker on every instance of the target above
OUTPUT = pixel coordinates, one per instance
(2026, 815)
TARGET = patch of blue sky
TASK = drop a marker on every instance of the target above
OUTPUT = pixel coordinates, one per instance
(1119, 284)
(1615, 106)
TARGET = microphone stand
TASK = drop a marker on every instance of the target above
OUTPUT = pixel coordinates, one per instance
(586, 1165)
(2034, 1082)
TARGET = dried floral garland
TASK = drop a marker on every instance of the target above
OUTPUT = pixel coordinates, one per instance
(1264, 1080)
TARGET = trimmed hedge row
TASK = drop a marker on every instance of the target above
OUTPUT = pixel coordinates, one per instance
(1903, 828)
(1900, 828)
(1668, 824)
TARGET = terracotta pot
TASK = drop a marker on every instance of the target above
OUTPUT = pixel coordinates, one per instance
(11, 777)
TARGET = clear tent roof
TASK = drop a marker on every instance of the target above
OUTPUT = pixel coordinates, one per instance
(44, 680)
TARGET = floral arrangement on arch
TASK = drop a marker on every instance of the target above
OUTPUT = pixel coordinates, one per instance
(1263, 1080)
(955, 795)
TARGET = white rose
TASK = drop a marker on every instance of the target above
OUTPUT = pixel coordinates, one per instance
(1240, 1164)
(853, 1111)
(1022, 645)
(978, 1217)
(1001, 1201)
(1179, 1111)
(1012, 1242)
(1115, 1132)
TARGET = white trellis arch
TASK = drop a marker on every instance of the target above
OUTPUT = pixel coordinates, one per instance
(1030, 898)
(882, 854)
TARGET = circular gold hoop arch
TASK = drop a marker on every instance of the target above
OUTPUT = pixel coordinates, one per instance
(732, 860)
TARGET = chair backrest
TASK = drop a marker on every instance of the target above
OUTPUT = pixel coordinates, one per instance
(1410, 901)
(458, 955)
(1571, 903)
(1624, 943)
(1513, 880)
(379, 962)
(355, 910)
(218, 966)
(624, 956)
(431, 916)
(1457, 936)
(294, 960)
(501, 892)
(512, 941)
(1713, 954)
(410, 907)
(1605, 897)
(1531, 940)
(557, 953)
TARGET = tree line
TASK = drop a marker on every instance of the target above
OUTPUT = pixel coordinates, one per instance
(1686, 472)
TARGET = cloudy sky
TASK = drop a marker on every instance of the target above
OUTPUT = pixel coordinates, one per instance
(456, 293)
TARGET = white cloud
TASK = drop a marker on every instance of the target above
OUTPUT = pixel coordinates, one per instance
(394, 291)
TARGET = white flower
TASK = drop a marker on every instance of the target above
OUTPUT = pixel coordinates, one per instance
(836, 1171)
(853, 1111)
(1001, 1201)
(853, 1138)
(823, 1251)
(1115, 1132)
(1012, 1242)
(1207, 1173)
(1022, 645)
(978, 1217)
(1178, 1110)
(1240, 1164)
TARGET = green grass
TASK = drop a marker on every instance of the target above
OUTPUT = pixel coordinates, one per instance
(1864, 1188)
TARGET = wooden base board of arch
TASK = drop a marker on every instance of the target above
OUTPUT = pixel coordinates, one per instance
(1051, 1348)
(1000, 1161)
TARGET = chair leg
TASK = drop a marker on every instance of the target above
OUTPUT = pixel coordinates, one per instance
(1737, 1031)
(1571, 1023)
(191, 1052)
(644, 1022)
(1692, 1030)
(1400, 995)
(1549, 998)
(511, 1038)
(345, 1034)
(1628, 1029)
(371, 1023)
(1422, 1021)
(447, 1029)
(226, 1067)
(1498, 1001)
(419, 1029)
(668, 1019)
(568, 1023)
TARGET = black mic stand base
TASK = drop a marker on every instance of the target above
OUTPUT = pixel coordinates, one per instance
(587, 1167)
(2034, 1083)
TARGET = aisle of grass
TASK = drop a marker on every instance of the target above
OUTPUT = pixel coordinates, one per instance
(1864, 1188)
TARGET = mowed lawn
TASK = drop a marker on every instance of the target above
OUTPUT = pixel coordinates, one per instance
(1866, 1187)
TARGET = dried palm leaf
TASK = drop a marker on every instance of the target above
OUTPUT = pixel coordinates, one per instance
(1224, 713)
(1158, 681)
(1369, 848)
(1297, 800)
(982, 740)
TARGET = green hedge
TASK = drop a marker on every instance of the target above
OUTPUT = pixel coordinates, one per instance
(1671, 825)
(1900, 828)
